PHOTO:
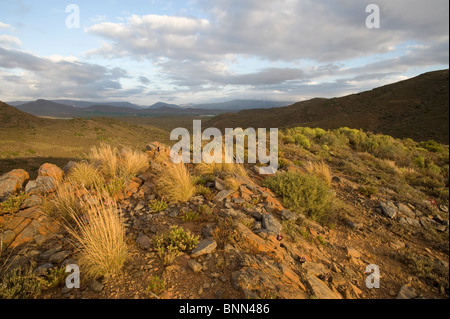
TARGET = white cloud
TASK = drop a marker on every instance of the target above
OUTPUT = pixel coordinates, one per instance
(9, 41)
(5, 26)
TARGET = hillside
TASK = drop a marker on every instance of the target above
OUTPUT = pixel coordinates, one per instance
(47, 108)
(209, 231)
(11, 117)
(417, 108)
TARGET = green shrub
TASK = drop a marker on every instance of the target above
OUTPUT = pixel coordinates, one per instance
(157, 205)
(169, 244)
(302, 140)
(302, 193)
(156, 285)
(432, 146)
(12, 203)
(20, 283)
(368, 190)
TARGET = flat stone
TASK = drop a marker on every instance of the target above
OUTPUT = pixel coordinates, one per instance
(405, 210)
(43, 269)
(286, 214)
(320, 289)
(352, 252)
(12, 182)
(195, 266)
(59, 257)
(220, 196)
(406, 292)
(144, 241)
(95, 286)
(410, 222)
(388, 209)
(206, 246)
(270, 223)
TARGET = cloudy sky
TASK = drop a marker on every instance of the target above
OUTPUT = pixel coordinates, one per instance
(144, 51)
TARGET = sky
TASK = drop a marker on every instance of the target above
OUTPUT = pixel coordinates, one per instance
(145, 51)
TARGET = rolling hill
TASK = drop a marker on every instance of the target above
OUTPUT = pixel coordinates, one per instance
(417, 108)
(11, 117)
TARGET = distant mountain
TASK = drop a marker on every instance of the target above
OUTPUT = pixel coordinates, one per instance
(417, 108)
(162, 104)
(47, 108)
(241, 105)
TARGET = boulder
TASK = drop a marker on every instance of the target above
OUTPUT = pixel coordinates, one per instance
(51, 170)
(206, 246)
(12, 182)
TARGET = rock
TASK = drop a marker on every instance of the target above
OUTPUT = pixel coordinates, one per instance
(12, 182)
(353, 225)
(405, 210)
(69, 167)
(220, 196)
(443, 208)
(288, 215)
(352, 252)
(207, 231)
(206, 246)
(410, 222)
(43, 269)
(406, 292)
(6, 238)
(270, 223)
(51, 170)
(320, 289)
(388, 209)
(315, 269)
(195, 266)
(144, 241)
(59, 257)
(95, 286)
(219, 184)
(42, 184)
(33, 200)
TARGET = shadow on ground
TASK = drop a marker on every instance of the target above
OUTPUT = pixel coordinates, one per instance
(31, 164)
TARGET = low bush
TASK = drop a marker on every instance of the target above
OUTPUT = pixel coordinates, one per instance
(303, 193)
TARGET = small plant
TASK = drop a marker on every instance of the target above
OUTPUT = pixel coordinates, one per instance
(368, 190)
(189, 215)
(321, 240)
(156, 286)
(205, 191)
(19, 283)
(169, 244)
(157, 205)
(12, 203)
(55, 278)
(65, 201)
(231, 183)
(205, 210)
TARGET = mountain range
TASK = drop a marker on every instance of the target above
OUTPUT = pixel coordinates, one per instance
(417, 108)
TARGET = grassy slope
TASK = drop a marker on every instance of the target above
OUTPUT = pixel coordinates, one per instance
(417, 108)
(28, 141)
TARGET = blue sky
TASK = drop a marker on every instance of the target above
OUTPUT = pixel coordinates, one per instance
(196, 51)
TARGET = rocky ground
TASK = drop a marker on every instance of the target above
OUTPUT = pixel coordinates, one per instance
(246, 249)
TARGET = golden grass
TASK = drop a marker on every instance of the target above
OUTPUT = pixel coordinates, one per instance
(319, 169)
(106, 157)
(100, 237)
(133, 163)
(85, 174)
(175, 183)
(65, 202)
(213, 168)
(232, 183)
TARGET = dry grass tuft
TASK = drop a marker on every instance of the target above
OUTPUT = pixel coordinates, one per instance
(175, 183)
(106, 157)
(100, 237)
(321, 170)
(133, 163)
(85, 174)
